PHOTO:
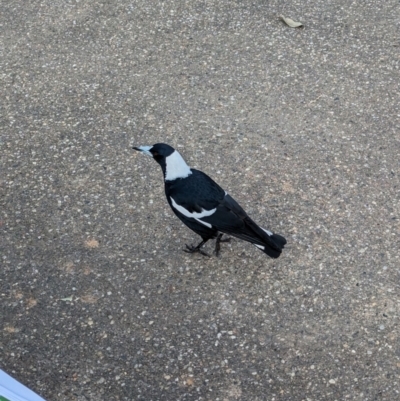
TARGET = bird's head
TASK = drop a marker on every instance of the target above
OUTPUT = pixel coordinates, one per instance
(159, 151)
(168, 158)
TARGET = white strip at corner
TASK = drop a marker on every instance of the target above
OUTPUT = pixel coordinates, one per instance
(13, 390)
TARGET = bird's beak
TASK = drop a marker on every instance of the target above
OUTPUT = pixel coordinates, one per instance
(144, 149)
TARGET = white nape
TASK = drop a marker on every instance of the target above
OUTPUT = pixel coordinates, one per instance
(176, 167)
(194, 215)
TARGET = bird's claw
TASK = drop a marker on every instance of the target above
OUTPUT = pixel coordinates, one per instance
(193, 249)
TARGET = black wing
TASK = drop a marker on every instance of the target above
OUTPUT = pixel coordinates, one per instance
(230, 218)
(195, 193)
(202, 200)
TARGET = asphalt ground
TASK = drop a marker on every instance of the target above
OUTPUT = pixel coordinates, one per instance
(301, 126)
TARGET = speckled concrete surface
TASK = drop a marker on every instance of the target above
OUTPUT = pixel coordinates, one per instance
(301, 126)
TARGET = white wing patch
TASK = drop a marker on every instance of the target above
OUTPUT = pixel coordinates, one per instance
(176, 167)
(194, 215)
(268, 232)
(203, 222)
(260, 246)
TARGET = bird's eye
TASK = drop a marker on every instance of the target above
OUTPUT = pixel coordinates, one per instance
(155, 154)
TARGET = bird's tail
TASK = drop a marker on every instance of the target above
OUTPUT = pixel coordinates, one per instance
(272, 244)
(280, 243)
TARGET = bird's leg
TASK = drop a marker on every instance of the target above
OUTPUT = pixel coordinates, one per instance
(193, 249)
(217, 243)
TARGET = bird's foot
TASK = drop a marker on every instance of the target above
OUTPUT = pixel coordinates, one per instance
(193, 249)
(217, 243)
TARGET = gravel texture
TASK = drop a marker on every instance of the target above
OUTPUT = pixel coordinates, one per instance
(301, 126)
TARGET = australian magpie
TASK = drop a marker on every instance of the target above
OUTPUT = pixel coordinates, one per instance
(205, 207)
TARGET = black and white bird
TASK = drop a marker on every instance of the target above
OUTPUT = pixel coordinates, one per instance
(205, 207)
